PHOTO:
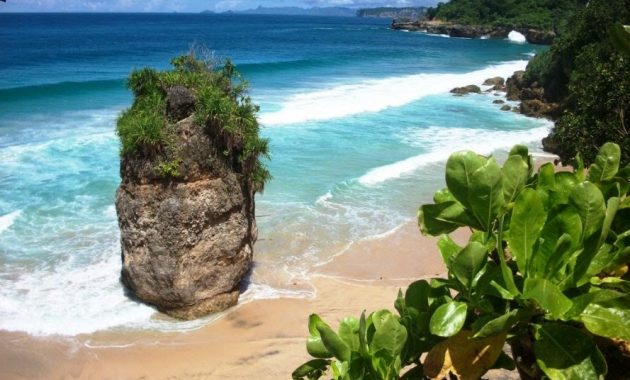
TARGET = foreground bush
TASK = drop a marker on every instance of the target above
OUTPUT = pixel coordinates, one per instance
(544, 271)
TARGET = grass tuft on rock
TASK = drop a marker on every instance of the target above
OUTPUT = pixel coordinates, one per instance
(222, 106)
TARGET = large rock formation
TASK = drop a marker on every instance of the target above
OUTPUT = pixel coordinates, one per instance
(532, 97)
(533, 36)
(187, 240)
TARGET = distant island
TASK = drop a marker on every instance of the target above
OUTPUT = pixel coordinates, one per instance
(295, 11)
(404, 13)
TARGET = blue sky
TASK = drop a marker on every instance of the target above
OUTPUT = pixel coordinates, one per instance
(186, 5)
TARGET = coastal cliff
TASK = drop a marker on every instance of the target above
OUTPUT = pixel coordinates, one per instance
(533, 36)
(186, 201)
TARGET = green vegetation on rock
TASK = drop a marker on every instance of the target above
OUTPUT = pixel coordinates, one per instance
(538, 14)
(588, 73)
(545, 271)
(221, 105)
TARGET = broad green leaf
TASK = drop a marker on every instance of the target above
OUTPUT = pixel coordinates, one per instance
(590, 205)
(564, 184)
(546, 177)
(390, 335)
(313, 369)
(443, 195)
(528, 220)
(448, 319)
(566, 353)
(467, 357)
(502, 324)
(612, 283)
(610, 319)
(515, 173)
(448, 248)
(443, 218)
(486, 193)
(340, 370)
(606, 163)
(466, 264)
(363, 345)
(520, 150)
(548, 295)
(596, 295)
(314, 344)
(554, 251)
(459, 171)
(333, 342)
(349, 332)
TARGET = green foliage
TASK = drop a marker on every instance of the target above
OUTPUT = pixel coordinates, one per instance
(222, 106)
(545, 270)
(539, 14)
(587, 72)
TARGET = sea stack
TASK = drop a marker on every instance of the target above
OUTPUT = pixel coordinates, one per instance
(186, 204)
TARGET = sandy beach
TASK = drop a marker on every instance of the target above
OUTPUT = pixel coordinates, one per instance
(262, 339)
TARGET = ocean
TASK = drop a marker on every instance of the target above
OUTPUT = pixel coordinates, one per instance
(359, 118)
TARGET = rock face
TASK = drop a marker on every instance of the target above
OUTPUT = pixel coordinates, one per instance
(186, 241)
(533, 36)
(466, 90)
(532, 97)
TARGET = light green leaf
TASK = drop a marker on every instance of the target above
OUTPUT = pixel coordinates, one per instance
(515, 173)
(548, 295)
(447, 248)
(596, 295)
(590, 205)
(333, 342)
(448, 319)
(528, 220)
(443, 218)
(349, 332)
(546, 177)
(566, 353)
(560, 237)
(314, 344)
(459, 171)
(486, 193)
(502, 324)
(606, 163)
(389, 336)
(610, 319)
(466, 264)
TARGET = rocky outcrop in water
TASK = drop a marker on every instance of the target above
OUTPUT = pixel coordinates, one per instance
(187, 240)
(533, 36)
(466, 90)
(532, 97)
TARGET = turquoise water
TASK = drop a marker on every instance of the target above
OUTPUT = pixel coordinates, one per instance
(359, 118)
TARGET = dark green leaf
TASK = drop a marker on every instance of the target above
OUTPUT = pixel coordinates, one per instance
(442, 218)
(515, 173)
(459, 171)
(528, 220)
(486, 193)
(313, 369)
(448, 319)
(466, 264)
(502, 324)
(606, 163)
(566, 353)
(548, 296)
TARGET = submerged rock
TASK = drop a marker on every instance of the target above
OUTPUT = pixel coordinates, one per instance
(506, 108)
(498, 101)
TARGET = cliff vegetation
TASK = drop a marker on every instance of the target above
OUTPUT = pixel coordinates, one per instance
(537, 14)
(219, 102)
(589, 77)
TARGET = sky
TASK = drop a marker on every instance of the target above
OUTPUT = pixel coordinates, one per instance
(188, 5)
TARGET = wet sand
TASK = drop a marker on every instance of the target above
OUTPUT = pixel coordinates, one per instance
(262, 339)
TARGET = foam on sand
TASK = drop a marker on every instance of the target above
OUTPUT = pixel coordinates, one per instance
(375, 95)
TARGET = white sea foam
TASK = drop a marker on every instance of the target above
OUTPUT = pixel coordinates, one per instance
(441, 142)
(517, 37)
(6, 221)
(375, 95)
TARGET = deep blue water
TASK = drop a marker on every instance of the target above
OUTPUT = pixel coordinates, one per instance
(359, 118)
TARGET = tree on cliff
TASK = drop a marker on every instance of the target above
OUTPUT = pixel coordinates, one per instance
(590, 78)
(539, 14)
